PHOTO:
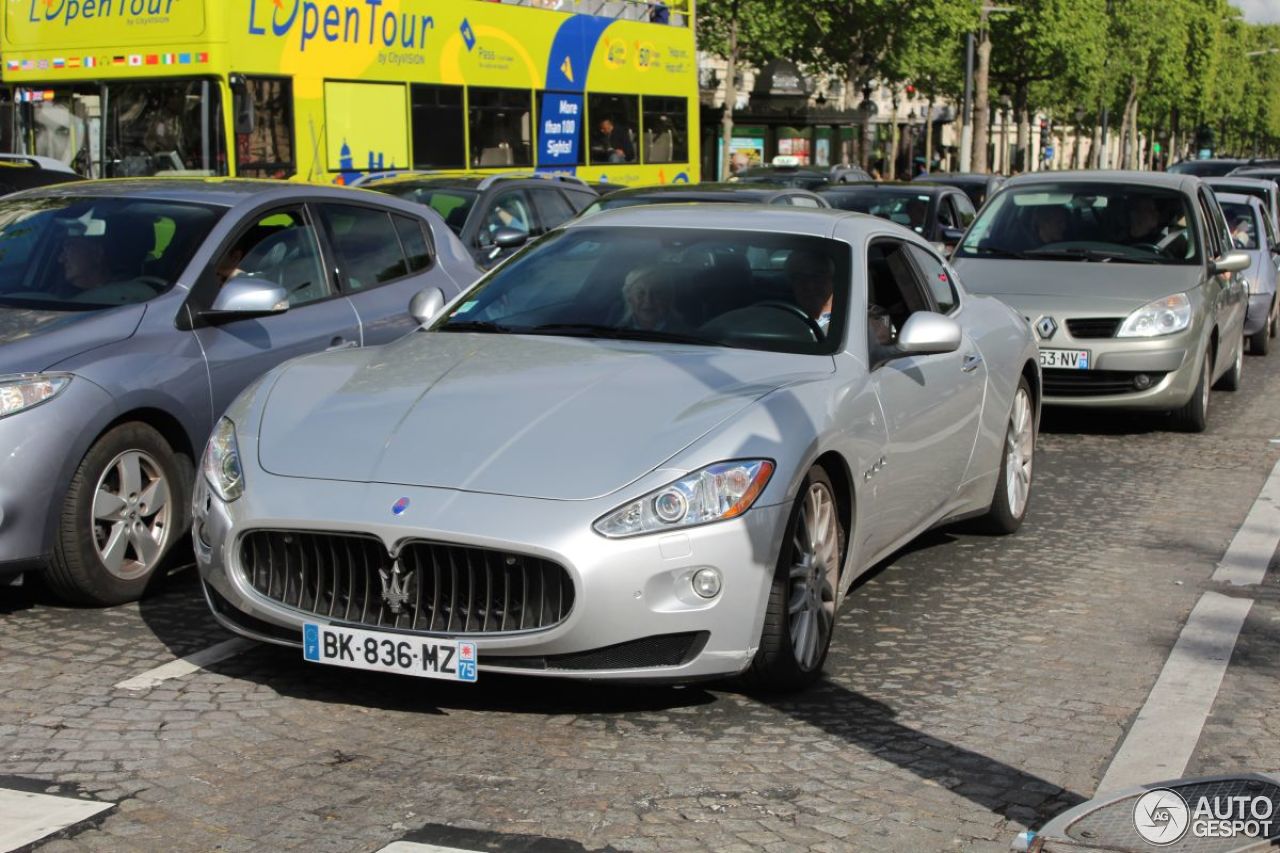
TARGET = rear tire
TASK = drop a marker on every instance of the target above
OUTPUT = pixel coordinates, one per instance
(1260, 342)
(1013, 487)
(801, 610)
(1230, 380)
(125, 508)
(1194, 415)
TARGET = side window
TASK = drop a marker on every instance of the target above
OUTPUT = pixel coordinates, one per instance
(946, 213)
(279, 247)
(615, 123)
(552, 207)
(366, 244)
(264, 127)
(964, 210)
(893, 291)
(509, 210)
(1212, 230)
(501, 122)
(438, 129)
(666, 129)
(413, 242)
(580, 199)
(935, 275)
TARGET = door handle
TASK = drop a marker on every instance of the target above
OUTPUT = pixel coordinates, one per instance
(971, 362)
(340, 342)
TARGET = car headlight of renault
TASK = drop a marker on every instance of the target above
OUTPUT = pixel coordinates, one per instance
(716, 493)
(221, 465)
(1164, 316)
(29, 389)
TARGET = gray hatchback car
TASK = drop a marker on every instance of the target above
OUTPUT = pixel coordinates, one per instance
(131, 314)
(1130, 280)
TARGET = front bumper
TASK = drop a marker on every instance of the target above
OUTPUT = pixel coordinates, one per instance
(1114, 380)
(625, 590)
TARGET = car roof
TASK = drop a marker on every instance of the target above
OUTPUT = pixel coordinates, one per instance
(1241, 181)
(707, 191)
(1239, 198)
(818, 221)
(917, 187)
(954, 178)
(222, 192)
(1167, 180)
(1254, 170)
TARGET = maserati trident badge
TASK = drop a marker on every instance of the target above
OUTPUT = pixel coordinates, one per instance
(395, 587)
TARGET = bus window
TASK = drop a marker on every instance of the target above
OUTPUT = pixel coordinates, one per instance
(160, 127)
(263, 111)
(438, 132)
(63, 126)
(500, 122)
(366, 126)
(666, 130)
(615, 123)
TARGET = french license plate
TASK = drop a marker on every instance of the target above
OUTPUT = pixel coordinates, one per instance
(1071, 359)
(382, 651)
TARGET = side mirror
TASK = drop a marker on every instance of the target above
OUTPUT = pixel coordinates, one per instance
(244, 297)
(927, 333)
(951, 236)
(426, 305)
(1230, 262)
(510, 238)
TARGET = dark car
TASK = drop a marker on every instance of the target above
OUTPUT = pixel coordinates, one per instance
(493, 215)
(1260, 187)
(711, 192)
(1264, 172)
(936, 212)
(21, 173)
(1206, 168)
(804, 177)
(977, 187)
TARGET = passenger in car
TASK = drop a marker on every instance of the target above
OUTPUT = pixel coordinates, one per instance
(812, 280)
(650, 300)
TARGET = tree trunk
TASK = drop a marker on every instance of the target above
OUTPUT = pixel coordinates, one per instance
(730, 99)
(1095, 147)
(982, 97)
(1022, 157)
(892, 165)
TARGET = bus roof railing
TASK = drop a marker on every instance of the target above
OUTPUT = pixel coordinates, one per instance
(623, 10)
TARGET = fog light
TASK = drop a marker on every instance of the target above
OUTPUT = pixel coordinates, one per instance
(706, 583)
(1142, 382)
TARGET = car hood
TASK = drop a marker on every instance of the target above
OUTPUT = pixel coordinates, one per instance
(32, 340)
(1106, 286)
(541, 417)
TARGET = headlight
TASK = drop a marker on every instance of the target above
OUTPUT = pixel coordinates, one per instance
(1165, 316)
(222, 462)
(715, 493)
(27, 390)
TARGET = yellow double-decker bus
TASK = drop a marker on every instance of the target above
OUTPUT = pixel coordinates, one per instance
(328, 90)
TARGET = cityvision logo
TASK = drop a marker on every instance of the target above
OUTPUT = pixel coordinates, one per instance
(69, 11)
(365, 22)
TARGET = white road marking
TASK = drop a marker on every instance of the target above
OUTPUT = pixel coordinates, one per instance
(1163, 737)
(26, 817)
(187, 665)
(415, 847)
(1250, 552)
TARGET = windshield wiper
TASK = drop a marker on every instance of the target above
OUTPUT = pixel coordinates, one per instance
(475, 326)
(599, 330)
(1083, 254)
(997, 251)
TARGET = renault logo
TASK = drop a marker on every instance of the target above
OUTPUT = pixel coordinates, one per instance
(1046, 326)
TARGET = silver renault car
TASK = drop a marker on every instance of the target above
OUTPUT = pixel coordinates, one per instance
(660, 443)
(1130, 279)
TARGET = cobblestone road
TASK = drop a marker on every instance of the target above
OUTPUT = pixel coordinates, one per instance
(977, 686)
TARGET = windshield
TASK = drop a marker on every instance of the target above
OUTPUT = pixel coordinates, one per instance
(84, 253)
(1243, 222)
(717, 288)
(904, 206)
(1118, 223)
(453, 204)
(126, 129)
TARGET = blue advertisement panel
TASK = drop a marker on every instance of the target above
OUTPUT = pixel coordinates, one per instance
(559, 129)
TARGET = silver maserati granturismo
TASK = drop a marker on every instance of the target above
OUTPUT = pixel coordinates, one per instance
(659, 443)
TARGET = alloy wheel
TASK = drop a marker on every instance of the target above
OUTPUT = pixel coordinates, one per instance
(815, 570)
(131, 512)
(1019, 453)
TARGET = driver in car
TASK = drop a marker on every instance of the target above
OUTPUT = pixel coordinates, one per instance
(83, 262)
(1050, 223)
(1144, 221)
(812, 279)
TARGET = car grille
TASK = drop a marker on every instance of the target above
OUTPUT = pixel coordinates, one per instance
(1095, 383)
(446, 589)
(660, 650)
(1094, 327)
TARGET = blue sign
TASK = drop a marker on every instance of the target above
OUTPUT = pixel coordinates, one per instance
(560, 129)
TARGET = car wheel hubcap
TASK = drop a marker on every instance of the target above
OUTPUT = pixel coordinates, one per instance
(131, 515)
(1019, 453)
(815, 568)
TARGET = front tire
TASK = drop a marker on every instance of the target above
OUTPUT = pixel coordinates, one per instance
(801, 610)
(1013, 487)
(1260, 341)
(1230, 380)
(125, 508)
(1194, 415)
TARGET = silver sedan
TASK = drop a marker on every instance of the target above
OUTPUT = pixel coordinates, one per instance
(658, 444)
